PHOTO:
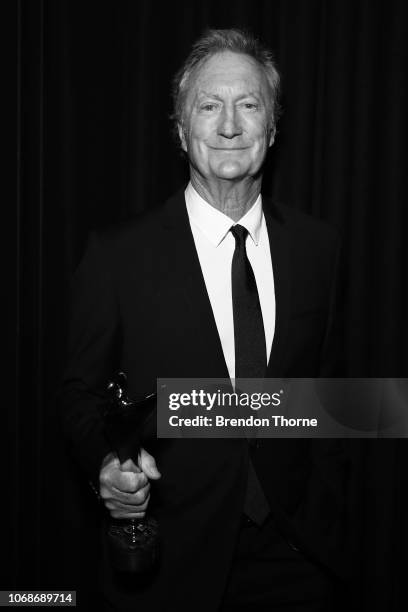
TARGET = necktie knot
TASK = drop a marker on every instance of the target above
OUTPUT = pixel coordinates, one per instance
(240, 233)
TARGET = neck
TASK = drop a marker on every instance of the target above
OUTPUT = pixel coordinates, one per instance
(233, 198)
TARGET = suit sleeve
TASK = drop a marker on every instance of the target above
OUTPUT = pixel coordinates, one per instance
(323, 511)
(93, 342)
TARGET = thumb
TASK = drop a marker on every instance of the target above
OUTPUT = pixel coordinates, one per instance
(129, 466)
(147, 464)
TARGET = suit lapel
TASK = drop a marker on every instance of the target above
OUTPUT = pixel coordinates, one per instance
(186, 280)
(281, 257)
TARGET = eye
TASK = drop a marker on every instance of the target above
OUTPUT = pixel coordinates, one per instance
(208, 107)
(250, 105)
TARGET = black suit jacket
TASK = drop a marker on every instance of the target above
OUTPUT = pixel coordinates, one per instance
(140, 304)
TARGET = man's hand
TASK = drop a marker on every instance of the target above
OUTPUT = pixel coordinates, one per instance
(125, 488)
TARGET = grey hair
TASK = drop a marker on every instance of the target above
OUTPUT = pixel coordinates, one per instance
(216, 41)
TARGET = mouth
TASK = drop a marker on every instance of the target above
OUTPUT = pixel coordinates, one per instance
(229, 148)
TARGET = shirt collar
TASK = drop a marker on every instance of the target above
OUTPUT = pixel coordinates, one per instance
(214, 224)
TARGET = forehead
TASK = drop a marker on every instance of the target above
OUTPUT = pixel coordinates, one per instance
(228, 70)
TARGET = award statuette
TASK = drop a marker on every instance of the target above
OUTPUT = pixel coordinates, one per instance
(132, 543)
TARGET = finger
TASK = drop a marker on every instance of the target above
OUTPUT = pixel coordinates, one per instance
(120, 489)
(130, 498)
(129, 481)
(148, 465)
(129, 466)
(111, 460)
(115, 505)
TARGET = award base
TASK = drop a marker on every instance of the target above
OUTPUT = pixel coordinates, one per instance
(133, 544)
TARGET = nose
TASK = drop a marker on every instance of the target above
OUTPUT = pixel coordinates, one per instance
(229, 125)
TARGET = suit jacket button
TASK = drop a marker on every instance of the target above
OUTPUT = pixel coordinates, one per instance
(293, 547)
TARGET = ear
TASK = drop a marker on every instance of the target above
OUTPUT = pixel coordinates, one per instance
(182, 137)
(272, 134)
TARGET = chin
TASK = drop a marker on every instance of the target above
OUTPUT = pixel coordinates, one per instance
(231, 171)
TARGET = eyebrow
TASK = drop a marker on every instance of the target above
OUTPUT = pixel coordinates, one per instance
(208, 94)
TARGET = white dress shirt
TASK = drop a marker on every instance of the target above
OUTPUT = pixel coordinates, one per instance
(215, 247)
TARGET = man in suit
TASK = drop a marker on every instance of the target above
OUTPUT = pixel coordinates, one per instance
(217, 283)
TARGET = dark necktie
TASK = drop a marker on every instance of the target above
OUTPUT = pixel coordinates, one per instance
(250, 347)
(250, 350)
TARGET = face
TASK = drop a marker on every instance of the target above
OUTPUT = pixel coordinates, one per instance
(226, 127)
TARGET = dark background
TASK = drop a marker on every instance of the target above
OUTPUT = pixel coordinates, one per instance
(94, 146)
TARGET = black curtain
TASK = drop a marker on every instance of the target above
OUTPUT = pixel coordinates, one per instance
(95, 146)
